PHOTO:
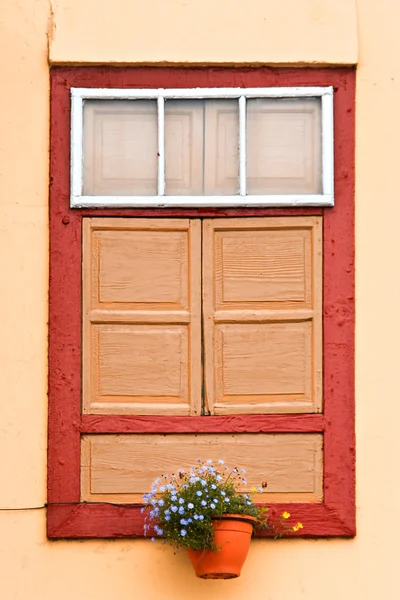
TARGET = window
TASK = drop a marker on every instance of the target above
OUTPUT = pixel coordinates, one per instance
(185, 330)
(173, 147)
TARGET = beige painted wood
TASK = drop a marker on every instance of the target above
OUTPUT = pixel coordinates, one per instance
(141, 316)
(120, 468)
(184, 147)
(262, 311)
(201, 147)
(120, 147)
(221, 157)
(284, 146)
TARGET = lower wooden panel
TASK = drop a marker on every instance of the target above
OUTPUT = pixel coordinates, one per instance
(120, 468)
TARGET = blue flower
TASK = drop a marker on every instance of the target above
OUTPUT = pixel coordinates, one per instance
(201, 517)
(153, 539)
(223, 493)
(181, 501)
(215, 500)
(226, 499)
(213, 486)
(209, 462)
(248, 502)
(218, 478)
(161, 502)
(183, 522)
(190, 505)
(183, 532)
(190, 520)
(199, 493)
(203, 482)
(181, 510)
(158, 530)
(174, 508)
(212, 505)
(260, 490)
(174, 498)
(167, 518)
(195, 517)
(203, 503)
(220, 462)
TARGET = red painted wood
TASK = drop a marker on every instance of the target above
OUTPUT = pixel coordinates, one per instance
(201, 212)
(119, 521)
(337, 515)
(226, 424)
(64, 316)
(339, 320)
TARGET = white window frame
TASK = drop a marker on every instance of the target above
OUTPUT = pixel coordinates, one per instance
(79, 95)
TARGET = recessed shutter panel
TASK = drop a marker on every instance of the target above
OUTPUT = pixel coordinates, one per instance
(262, 301)
(141, 316)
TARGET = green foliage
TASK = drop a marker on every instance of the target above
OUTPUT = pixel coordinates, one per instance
(181, 507)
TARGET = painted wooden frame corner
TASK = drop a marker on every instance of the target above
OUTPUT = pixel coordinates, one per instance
(67, 516)
(79, 95)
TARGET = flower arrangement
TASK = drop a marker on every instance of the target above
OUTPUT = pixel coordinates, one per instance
(183, 508)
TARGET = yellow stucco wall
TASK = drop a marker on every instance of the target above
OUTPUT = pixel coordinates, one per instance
(31, 568)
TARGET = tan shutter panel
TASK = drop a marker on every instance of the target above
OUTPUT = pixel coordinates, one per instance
(141, 316)
(120, 468)
(262, 299)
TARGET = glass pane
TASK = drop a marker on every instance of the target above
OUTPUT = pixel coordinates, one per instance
(120, 147)
(201, 147)
(284, 146)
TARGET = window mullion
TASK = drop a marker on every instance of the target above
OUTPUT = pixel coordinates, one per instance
(242, 146)
(161, 146)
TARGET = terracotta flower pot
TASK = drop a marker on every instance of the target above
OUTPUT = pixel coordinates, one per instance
(232, 537)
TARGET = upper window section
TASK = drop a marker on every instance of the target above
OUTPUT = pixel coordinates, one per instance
(202, 147)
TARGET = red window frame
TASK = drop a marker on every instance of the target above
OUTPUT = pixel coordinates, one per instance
(67, 517)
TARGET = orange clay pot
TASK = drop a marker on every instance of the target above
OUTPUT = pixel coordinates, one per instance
(232, 538)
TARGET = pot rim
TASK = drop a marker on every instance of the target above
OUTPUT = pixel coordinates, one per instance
(236, 517)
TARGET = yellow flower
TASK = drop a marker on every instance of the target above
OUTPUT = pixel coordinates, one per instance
(285, 515)
(253, 490)
(298, 526)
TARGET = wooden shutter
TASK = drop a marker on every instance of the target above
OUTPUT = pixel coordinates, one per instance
(262, 303)
(120, 468)
(141, 316)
